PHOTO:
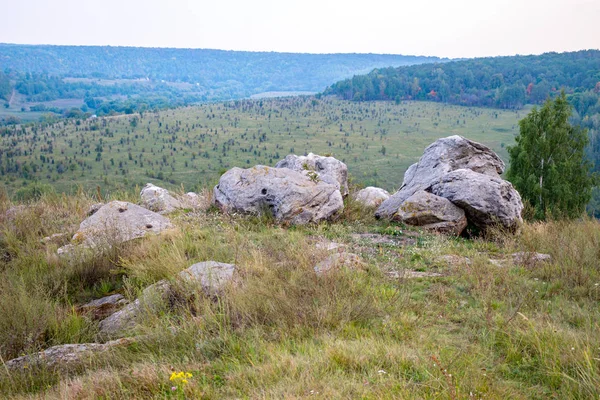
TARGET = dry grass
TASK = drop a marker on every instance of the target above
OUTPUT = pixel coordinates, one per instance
(280, 331)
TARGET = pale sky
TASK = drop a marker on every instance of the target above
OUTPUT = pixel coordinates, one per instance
(445, 28)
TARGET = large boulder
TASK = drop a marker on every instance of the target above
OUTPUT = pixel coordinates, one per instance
(371, 196)
(441, 157)
(117, 222)
(328, 169)
(432, 212)
(211, 276)
(159, 200)
(291, 196)
(486, 200)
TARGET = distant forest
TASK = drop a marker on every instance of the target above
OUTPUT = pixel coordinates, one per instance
(505, 82)
(173, 76)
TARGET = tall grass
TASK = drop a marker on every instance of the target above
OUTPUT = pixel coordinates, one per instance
(281, 331)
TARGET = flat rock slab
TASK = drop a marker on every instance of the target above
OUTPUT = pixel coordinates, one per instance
(65, 354)
(453, 260)
(378, 239)
(410, 274)
(327, 245)
(530, 258)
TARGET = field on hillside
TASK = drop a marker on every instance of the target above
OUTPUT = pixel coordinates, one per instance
(192, 146)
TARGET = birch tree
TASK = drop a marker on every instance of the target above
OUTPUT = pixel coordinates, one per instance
(548, 165)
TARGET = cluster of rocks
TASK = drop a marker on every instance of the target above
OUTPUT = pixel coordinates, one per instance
(210, 276)
(118, 316)
(455, 182)
(119, 221)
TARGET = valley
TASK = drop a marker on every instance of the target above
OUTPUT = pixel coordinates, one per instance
(192, 146)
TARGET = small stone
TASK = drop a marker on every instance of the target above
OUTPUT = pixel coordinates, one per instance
(337, 261)
(103, 307)
(371, 196)
(159, 200)
(530, 258)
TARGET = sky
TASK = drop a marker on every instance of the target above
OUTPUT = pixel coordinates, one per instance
(444, 28)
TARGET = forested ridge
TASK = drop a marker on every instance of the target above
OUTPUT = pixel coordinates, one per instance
(505, 82)
(235, 73)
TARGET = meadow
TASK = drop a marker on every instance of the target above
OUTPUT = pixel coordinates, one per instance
(422, 316)
(192, 146)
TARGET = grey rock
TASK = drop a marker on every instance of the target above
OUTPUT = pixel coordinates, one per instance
(498, 263)
(103, 307)
(432, 212)
(530, 258)
(117, 222)
(290, 196)
(152, 299)
(371, 196)
(486, 200)
(65, 354)
(191, 200)
(14, 211)
(326, 245)
(441, 157)
(453, 260)
(54, 238)
(328, 169)
(212, 276)
(410, 274)
(337, 261)
(159, 200)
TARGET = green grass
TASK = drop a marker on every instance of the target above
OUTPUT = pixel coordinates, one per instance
(479, 330)
(193, 146)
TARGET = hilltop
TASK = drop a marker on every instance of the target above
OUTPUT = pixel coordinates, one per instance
(413, 314)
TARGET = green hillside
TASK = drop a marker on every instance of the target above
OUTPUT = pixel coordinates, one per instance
(194, 145)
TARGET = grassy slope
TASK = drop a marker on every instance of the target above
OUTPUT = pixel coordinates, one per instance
(479, 330)
(164, 142)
